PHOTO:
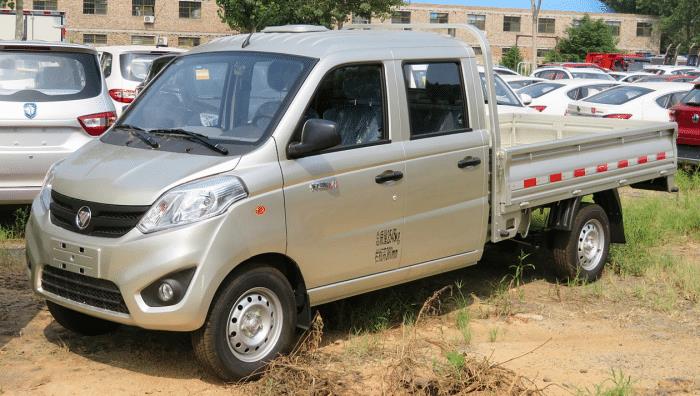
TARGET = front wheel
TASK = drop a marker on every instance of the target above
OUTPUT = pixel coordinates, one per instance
(251, 321)
(582, 252)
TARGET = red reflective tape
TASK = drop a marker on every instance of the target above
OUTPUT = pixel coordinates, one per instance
(579, 172)
(47, 12)
(530, 182)
(660, 156)
(623, 164)
(602, 168)
(555, 178)
(642, 160)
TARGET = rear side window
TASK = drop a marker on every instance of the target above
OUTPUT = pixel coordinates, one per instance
(106, 64)
(669, 100)
(436, 102)
(135, 65)
(521, 84)
(618, 95)
(692, 98)
(537, 90)
(48, 76)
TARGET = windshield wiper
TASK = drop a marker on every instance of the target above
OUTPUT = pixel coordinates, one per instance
(193, 136)
(140, 133)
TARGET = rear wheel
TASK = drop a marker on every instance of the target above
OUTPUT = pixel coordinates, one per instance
(251, 321)
(78, 322)
(582, 252)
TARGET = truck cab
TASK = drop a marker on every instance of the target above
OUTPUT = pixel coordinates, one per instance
(260, 175)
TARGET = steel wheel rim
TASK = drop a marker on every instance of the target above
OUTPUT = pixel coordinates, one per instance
(591, 244)
(254, 324)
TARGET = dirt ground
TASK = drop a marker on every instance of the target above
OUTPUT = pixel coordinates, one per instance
(566, 340)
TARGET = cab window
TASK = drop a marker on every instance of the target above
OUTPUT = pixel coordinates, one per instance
(352, 97)
(436, 103)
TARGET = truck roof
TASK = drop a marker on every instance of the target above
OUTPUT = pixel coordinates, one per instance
(46, 44)
(317, 44)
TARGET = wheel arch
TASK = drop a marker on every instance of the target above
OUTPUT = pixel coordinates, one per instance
(562, 214)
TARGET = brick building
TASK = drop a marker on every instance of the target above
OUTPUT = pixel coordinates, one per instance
(190, 23)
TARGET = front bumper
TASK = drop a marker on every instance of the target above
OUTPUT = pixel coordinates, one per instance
(18, 195)
(132, 263)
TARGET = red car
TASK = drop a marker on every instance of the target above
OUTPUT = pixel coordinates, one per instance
(687, 115)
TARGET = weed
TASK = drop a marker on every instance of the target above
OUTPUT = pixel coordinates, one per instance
(493, 334)
(456, 360)
(618, 384)
(15, 228)
(364, 345)
(463, 324)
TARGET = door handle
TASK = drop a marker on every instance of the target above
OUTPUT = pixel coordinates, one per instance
(468, 161)
(388, 176)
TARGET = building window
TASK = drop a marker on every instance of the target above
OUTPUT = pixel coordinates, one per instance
(188, 41)
(95, 7)
(438, 17)
(576, 22)
(477, 20)
(190, 9)
(643, 29)
(614, 27)
(504, 51)
(360, 20)
(546, 25)
(477, 50)
(46, 5)
(143, 40)
(401, 17)
(542, 52)
(143, 7)
(511, 24)
(95, 39)
(452, 32)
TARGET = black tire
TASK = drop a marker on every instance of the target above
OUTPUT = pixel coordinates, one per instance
(572, 250)
(211, 342)
(78, 322)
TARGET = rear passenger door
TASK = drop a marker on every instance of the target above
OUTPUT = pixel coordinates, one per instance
(446, 193)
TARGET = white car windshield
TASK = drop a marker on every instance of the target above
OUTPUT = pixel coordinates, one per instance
(231, 97)
(618, 95)
(540, 89)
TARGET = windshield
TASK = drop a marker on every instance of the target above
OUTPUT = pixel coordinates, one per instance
(618, 95)
(232, 97)
(48, 76)
(592, 75)
(537, 90)
(517, 84)
(504, 95)
(135, 65)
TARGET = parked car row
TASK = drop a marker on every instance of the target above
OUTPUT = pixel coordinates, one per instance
(55, 98)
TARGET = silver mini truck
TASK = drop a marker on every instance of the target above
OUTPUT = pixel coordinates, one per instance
(259, 176)
(53, 100)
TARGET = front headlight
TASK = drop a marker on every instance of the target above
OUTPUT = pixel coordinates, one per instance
(45, 193)
(192, 202)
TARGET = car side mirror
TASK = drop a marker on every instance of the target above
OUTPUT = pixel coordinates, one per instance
(316, 135)
(526, 99)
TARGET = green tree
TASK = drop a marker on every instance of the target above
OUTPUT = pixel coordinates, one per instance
(589, 36)
(254, 15)
(511, 58)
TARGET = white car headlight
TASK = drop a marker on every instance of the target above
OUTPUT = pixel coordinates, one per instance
(45, 193)
(192, 202)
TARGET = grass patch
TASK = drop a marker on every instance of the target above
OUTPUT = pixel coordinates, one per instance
(618, 384)
(463, 325)
(13, 224)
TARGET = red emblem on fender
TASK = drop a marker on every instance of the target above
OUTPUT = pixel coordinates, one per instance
(260, 210)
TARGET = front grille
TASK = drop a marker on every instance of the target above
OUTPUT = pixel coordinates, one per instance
(99, 293)
(108, 221)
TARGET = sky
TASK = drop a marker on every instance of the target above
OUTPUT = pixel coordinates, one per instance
(592, 6)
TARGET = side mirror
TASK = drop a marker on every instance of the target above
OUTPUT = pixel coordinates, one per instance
(526, 99)
(316, 135)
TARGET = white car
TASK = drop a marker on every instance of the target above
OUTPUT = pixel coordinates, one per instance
(634, 76)
(517, 82)
(508, 100)
(53, 100)
(641, 101)
(552, 97)
(669, 70)
(564, 73)
(125, 67)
